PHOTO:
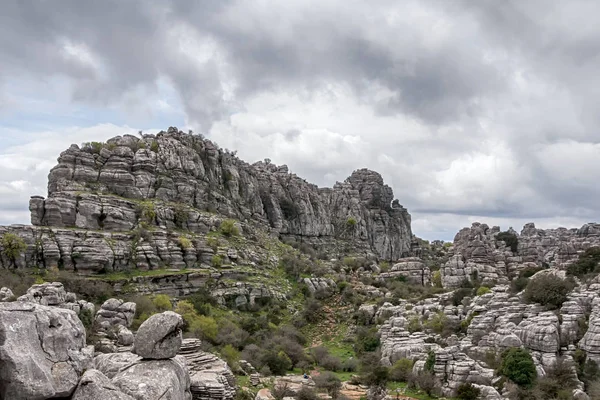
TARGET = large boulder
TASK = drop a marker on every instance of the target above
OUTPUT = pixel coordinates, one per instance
(42, 351)
(115, 312)
(159, 337)
(146, 379)
(94, 385)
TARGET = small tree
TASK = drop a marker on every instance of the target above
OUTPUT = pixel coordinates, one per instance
(517, 365)
(162, 302)
(467, 391)
(12, 246)
(548, 290)
(401, 370)
(330, 382)
(510, 239)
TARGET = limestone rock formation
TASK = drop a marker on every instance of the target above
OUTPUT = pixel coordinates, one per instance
(479, 255)
(159, 337)
(412, 268)
(211, 377)
(113, 313)
(42, 351)
(166, 379)
(94, 385)
(98, 194)
(54, 294)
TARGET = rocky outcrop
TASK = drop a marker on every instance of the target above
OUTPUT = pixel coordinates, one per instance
(170, 179)
(412, 269)
(6, 294)
(43, 351)
(140, 379)
(211, 377)
(159, 337)
(113, 313)
(94, 385)
(479, 255)
(54, 294)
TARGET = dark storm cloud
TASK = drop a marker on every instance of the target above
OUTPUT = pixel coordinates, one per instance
(497, 103)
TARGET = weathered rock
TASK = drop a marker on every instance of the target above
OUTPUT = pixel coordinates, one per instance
(413, 269)
(159, 337)
(47, 294)
(103, 190)
(6, 294)
(113, 313)
(210, 376)
(94, 385)
(124, 336)
(146, 379)
(42, 351)
(477, 253)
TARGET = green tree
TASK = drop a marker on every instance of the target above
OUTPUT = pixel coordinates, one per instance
(517, 365)
(548, 290)
(430, 361)
(510, 239)
(12, 246)
(467, 391)
(229, 228)
(401, 370)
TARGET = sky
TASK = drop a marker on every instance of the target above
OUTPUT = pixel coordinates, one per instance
(471, 110)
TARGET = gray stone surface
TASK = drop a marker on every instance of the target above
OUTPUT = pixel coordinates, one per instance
(94, 385)
(42, 351)
(159, 337)
(141, 379)
(6, 294)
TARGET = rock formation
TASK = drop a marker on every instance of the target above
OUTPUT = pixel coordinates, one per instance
(159, 337)
(479, 254)
(99, 193)
(43, 352)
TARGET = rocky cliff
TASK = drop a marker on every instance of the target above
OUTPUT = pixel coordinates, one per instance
(478, 252)
(103, 196)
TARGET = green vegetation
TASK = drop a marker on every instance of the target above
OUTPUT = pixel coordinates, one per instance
(147, 212)
(548, 290)
(517, 365)
(436, 279)
(162, 302)
(229, 228)
(587, 263)
(483, 290)
(510, 239)
(185, 243)
(467, 391)
(12, 246)
(154, 146)
(216, 261)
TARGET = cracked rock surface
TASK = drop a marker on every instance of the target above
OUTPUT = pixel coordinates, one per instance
(42, 351)
(159, 337)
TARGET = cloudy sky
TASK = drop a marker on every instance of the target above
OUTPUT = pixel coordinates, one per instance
(471, 110)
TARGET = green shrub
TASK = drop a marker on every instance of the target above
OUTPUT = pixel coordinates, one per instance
(548, 290)
(467, 391)
(401, 370)
(351, 223)
(147, 211)
(330, 382)
(459, 294)
(436, 278)
(517, 365)
(229, 228)
(510, 239)
(216, 261)
(162, 302)
(587, 262)
(12, 246)
(483, 290)
(154, 146)
(231, 355)
(438, 322)
(430, 361)
(185, 243)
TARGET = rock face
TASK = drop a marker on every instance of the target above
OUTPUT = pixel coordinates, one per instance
(412, 268)
(169, 180)
(478, 254)
(113, 313)
(210, 376)
(94, 385)
(54, 294)
(159, 337)
(141, 379)
(6, 294)
(42, 351)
